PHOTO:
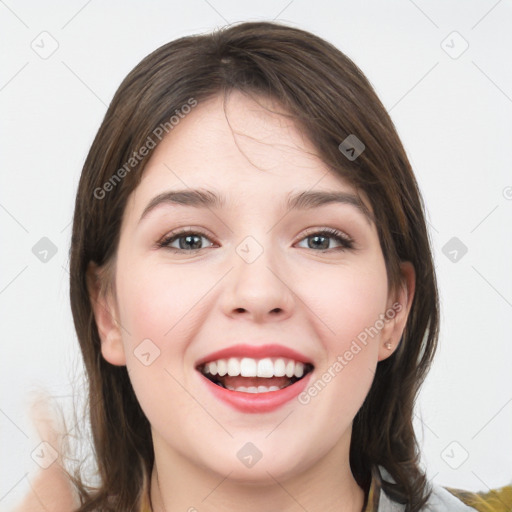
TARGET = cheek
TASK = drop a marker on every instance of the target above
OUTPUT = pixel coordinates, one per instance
(349, 313)
(157, 316)
(350, 301)
(156, 302)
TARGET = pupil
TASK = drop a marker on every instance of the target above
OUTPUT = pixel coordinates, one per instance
(324, 245)
(188, 238)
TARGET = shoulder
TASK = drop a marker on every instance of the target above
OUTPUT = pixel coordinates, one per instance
(441, 500)
(496, 500)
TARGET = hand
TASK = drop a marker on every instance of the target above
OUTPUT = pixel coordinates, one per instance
(51, 489)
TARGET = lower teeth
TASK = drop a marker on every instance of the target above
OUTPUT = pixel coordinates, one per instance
(258, 389)
(254, 389)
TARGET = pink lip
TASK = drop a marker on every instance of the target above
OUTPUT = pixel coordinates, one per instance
(255, 352)
(257, 402)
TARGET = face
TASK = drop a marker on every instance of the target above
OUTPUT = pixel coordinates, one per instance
(249, 270)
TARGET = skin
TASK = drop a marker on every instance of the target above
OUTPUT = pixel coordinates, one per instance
(190, 304)
(50, 489)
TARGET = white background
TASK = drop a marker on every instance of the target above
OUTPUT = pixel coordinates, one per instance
(453, 115)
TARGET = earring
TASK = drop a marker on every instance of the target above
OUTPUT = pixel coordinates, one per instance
(388, 345)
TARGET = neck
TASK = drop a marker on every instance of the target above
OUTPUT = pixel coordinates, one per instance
(178, 485)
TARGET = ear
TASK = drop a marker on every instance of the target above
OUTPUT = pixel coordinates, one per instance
(397, 312)
(106, 316)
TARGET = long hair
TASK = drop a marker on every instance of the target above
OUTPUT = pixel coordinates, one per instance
(329, 98)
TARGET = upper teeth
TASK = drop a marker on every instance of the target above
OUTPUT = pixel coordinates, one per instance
(248, 367)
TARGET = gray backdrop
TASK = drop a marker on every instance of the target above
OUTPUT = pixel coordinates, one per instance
(441, 68)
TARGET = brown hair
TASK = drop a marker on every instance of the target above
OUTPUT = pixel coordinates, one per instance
(327, 95)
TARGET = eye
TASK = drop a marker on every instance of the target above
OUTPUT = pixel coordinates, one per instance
(320, 240)
(189, 240)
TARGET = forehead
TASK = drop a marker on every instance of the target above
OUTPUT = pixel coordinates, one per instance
(244, 147)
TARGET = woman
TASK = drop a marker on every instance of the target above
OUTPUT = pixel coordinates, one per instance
(252, 285)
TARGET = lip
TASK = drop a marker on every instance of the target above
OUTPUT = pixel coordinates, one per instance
(257, 402)
(255, 352)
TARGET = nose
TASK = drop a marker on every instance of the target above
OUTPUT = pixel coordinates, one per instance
(258, 290)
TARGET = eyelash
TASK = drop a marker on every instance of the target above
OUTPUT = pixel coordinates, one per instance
(346, 242)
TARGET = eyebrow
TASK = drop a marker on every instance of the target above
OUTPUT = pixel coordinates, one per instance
(201, 198)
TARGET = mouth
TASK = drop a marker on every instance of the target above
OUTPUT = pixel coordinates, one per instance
(255, 376)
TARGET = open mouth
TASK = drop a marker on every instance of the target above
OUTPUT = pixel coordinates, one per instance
(247, 375)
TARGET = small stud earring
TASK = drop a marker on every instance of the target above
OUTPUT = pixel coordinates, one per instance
(388, 345)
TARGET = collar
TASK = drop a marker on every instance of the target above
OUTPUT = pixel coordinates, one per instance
(378, 500)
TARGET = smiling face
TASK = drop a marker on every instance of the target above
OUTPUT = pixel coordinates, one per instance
(251, 270)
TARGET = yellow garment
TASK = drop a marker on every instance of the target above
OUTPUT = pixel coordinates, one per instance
(496, 500)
